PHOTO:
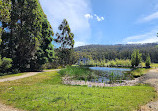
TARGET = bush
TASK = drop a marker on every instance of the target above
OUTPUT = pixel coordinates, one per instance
(123, 63)
(47, 66)
(112, 63)
(5, 64)
(138, 72)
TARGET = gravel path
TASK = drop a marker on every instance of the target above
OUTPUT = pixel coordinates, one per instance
(151, 78)
(4, 107)
(25, 75)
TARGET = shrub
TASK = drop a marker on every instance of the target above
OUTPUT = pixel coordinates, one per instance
(112, 63)
(123, 63)
(5, 64)
(138, 72)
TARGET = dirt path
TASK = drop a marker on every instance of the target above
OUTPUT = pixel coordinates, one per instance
(4, 107)
(25, 75)
(151, 78)
(8, 108)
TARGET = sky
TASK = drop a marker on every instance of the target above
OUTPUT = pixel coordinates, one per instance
(105, 22)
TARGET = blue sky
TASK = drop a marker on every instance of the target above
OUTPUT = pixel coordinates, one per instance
(106, 21)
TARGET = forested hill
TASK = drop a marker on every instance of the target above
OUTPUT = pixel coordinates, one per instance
(121, 51)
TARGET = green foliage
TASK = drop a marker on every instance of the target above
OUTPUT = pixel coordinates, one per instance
(148, 61)
(28, 41)
(1, 61)
(45, 92)
(66, 39)
(136, 58)
(48, 65)
(5, 7)
(64, 56)
(154, 65)
(138, 72)
(121, 51)
(123, 63)
(112, 77)
(80, 73)
(111, 63)
(5, 64)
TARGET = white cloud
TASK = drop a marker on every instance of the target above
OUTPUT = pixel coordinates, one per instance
(99, 18)
(102, 18)
(149, 37)
(73, 11)
(149, 17)
(79, 44)
(150, 40)
(89, 16)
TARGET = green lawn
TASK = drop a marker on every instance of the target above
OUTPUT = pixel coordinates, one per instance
(44, 92)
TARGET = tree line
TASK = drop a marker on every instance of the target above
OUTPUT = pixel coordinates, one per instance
(134, 62)
(110, 52)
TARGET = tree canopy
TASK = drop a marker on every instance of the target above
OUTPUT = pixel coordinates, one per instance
(27, 35)
(66, 40)
(65, 37)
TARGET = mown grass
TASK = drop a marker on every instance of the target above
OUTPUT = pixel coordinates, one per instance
(44, 92)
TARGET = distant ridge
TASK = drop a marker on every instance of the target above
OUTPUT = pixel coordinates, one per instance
(155, 43)
(121, 51)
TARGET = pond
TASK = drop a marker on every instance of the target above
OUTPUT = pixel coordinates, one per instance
(110, 75)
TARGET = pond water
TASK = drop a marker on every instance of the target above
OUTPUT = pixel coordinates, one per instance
(108, 74)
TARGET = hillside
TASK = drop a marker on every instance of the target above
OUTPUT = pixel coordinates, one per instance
(121, 51)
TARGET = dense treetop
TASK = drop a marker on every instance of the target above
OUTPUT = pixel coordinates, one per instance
(26, 34)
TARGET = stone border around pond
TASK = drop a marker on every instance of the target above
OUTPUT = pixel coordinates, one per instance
(68, 81)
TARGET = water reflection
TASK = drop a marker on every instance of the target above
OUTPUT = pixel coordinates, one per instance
(107, 74)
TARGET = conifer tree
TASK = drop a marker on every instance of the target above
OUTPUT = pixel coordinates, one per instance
(148, 61)
(135, 58)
